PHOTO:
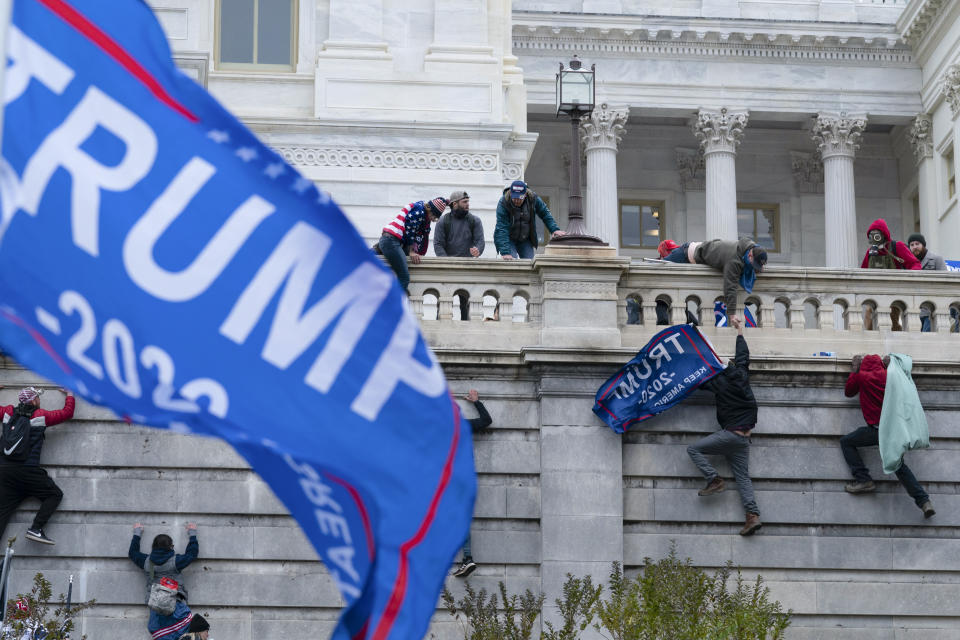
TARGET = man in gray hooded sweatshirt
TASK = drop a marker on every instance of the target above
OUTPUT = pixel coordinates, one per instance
(459, 234)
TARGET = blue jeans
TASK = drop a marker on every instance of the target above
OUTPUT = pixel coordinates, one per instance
(392, 250)
(523, 250)
(466, 548)
(679, 254)
(870, 437)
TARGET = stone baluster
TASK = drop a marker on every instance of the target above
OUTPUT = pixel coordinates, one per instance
(506, 310)
(416, 305)
(838, 137)
(720, 133)
(881, 317)
(825, 316)
(601, 133)
(798, 320)
(854, 317)
(768, 316)
(476, 307)
(649, 312)
(678, 312)
(942, 318)
(445, 311)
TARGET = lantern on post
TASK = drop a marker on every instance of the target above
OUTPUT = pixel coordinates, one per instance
(576, 96)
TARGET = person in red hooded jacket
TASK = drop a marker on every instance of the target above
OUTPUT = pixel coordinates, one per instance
(869, 379)
(886, 253)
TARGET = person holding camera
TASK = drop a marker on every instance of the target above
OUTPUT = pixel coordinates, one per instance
(884, 252)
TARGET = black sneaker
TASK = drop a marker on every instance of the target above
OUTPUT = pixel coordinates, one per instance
(37, 535)
(466, 568)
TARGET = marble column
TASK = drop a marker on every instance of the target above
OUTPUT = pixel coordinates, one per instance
(601, 134)
(838, 137)
(921, 138)
(720, 133)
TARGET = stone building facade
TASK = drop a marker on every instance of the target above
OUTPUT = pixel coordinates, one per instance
(798, 122)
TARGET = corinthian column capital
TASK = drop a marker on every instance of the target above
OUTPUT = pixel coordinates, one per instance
(720, 130)
(604, 128)
(838, 134)
(920, 136)
(951, 88)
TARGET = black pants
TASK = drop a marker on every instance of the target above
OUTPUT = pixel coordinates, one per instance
(17, 483)
(870, 437)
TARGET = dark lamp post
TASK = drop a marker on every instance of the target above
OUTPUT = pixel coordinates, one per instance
(576, 96)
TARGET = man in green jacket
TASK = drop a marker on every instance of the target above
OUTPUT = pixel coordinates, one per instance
(739, 261)
(515, 235)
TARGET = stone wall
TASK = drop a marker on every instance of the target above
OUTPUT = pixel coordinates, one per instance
(558, 491)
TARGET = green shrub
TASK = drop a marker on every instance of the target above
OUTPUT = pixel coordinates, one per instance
(671, 599)
(668, 600)
(512, 620)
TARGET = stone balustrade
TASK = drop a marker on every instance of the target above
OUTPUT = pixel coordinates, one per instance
(561, 301)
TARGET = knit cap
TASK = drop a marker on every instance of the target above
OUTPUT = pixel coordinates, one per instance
(27, 394)
(438, 205)
(918, 237)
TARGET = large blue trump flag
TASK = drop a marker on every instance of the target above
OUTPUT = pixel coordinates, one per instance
(160, 260)
(666, 370)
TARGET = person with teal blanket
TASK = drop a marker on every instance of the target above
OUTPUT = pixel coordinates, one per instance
(895, 421)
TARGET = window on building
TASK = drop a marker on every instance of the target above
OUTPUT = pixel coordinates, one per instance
(760, 222)
(256, 34)
(642, 223)
(951, 172)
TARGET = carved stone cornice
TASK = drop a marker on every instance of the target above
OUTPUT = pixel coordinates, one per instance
(951, 88)
(838, 134)
(917, 19)
(691, 167)
(919, 135)
(604, 128)
(744, 39)
(807, 171)
(720, 131)
(387, 159)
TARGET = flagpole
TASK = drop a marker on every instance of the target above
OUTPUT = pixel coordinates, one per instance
(6, 10)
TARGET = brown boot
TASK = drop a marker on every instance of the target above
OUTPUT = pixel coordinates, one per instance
(714, 486)
(752, 525)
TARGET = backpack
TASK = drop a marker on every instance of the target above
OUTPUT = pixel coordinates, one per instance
(163, 593)
(16, 438)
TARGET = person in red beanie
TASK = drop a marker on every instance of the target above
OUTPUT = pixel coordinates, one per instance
(665, 247)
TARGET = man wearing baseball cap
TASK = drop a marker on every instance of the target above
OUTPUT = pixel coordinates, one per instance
(516, 232)
(459, 235)
(22, 479)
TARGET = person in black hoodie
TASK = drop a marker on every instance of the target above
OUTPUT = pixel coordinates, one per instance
(737, 415)
(164, 562)
(467, 565)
